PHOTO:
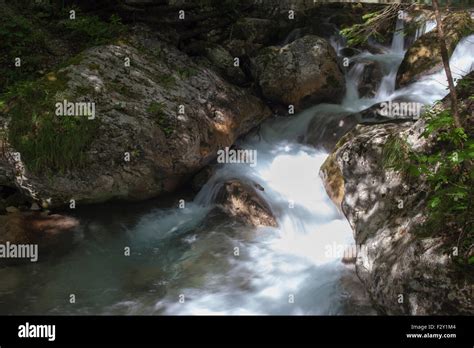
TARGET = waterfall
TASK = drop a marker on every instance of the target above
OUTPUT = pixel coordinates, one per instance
(426, 27)
(398, 37)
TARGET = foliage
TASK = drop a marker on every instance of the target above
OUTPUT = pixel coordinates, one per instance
(19, 39)
(448, 170)
(374, 24)
(92, 30)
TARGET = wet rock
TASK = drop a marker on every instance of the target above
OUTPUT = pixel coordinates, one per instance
(245, 202)
(325, 129)
(52, 234)
(333, 180)
(424, 56)
(370, 79)
(202, 177)
(301, 73)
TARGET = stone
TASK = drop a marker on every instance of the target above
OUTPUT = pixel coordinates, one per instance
(301, 73)
(245, 202)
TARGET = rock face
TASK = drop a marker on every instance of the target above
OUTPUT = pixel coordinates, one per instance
(224, 62)
(384, 210)
(301, 73)
(158, 121)
(242, 201)
(424, 56)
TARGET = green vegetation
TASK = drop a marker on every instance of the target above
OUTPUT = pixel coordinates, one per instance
(91, 30)
(186, 72)
(448, 170)
(19, 39)
(167, 81)
(374, 24)
(47, 142)
(161, 118)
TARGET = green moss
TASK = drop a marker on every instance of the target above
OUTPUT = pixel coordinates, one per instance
(165, 80)
(48, 142)
(161, 118)
(186, 72)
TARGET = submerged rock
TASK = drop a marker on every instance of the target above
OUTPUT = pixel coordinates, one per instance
(424, 56)
(301, 73)
(243, 201)
(325, 130)
(52, 233)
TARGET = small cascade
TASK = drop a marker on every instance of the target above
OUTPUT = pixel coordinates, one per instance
(398, 40)
(353, 78)
(426, 27)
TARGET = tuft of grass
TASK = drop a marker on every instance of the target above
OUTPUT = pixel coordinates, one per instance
(47, 142)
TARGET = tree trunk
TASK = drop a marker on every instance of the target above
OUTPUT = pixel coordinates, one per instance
(447, 68)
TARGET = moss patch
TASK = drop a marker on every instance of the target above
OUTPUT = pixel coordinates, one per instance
(48, 142)
(161, 118)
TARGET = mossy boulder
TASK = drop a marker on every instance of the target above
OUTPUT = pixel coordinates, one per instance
(301, 73)
(158, 120)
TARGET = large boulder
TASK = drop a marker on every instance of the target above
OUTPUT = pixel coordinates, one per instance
(301, 73)
(156, 123)
(424, 56)
(385, 209)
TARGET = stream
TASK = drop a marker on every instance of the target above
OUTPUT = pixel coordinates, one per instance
(185, 261)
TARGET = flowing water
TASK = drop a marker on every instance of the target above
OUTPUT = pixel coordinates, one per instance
(184, 260)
